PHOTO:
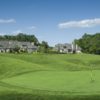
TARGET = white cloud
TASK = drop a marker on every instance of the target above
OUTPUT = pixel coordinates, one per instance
(17, 31)
(5, 21)
(1, 33)
(80, 24)
(32, 27)
(11, 32)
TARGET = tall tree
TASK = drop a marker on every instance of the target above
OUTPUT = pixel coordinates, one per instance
(44, 47)
(90, 43)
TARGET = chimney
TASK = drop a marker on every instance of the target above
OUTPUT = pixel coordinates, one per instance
(72, 47)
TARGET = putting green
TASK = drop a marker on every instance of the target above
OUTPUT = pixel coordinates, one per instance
(76, 81)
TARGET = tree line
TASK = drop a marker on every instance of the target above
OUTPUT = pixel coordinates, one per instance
(89, 43)
(21, 37)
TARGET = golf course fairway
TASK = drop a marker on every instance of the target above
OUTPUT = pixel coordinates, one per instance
(49, 77)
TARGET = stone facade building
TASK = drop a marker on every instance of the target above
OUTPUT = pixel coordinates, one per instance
(6, 46)
(67, 48)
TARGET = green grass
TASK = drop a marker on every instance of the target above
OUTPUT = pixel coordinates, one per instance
(78, 82)
(49, 77)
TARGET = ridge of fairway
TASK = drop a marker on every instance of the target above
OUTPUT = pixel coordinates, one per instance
(12, 66)
(60, 62)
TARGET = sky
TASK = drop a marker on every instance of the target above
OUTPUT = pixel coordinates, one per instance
(54, 21)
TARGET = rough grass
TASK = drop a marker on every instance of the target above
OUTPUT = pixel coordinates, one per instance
(49, 77)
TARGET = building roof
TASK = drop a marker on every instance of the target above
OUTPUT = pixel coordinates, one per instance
(13, 44)
(67, 46)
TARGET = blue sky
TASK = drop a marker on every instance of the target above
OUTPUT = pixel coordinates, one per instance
(55, 21)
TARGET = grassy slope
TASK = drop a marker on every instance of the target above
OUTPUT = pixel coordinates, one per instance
(13, 65)
(60, 62)
(10, 66)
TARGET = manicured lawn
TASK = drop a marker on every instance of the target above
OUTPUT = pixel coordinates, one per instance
(49, 77)
(66, 81)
